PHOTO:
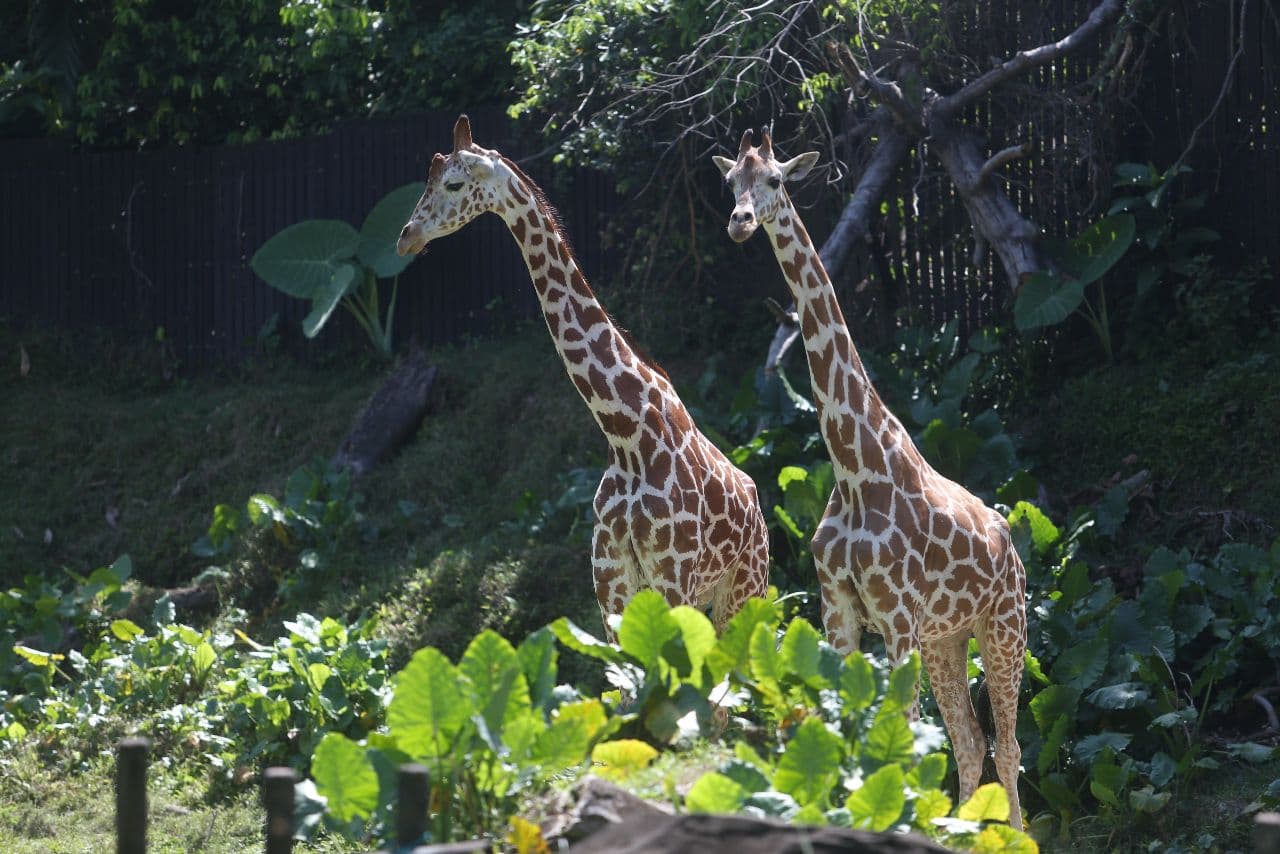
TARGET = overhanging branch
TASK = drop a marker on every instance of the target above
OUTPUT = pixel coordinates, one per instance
(945, 108)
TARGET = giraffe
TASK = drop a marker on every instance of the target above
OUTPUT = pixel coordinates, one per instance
(901, 550)
(672, 513)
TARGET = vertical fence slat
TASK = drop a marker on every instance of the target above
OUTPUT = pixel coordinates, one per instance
(411, 805)
(131, 796)
(277, 796)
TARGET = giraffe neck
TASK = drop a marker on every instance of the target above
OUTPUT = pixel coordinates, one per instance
(614, 380)
(858, 428)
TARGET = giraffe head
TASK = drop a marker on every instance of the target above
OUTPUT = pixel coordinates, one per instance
(460, 187)
(756, 179)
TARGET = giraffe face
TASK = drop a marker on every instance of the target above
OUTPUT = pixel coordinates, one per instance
(460, 186)
(756, 180)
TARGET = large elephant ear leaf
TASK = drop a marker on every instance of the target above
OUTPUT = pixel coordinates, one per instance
(327, 297)
(301, 259)
(1097, 249)
(1045, 300)
(382, 228)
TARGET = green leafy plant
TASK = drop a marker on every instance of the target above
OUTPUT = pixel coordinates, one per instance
(330, 263)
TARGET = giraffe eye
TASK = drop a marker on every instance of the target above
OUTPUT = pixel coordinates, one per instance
(454, 187)
(775, 182)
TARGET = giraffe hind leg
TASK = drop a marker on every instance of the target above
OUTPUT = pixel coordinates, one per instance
(946, 661)
(749, 578)
(1002, 641)
(614, 572)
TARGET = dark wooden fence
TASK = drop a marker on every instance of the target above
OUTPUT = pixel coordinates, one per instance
(140, 241)
(143, 241)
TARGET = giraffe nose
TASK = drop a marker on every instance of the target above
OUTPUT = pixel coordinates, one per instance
(404, 232)
(741, 217)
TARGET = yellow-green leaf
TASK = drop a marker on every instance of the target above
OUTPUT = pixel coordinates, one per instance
(125, 630)
(931, 804)
(989, 803)
(36, 657)
(617, 759)
(203, 659)
(526, 837)
(1003, 839)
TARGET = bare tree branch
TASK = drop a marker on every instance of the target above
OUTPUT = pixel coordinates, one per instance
(886, 92)
(1000, 158)
(946, 107)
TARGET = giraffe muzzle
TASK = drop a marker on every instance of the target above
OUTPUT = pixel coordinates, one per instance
(742, 224)
(411, 241)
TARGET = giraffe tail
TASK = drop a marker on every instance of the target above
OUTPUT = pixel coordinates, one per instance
(985, 717)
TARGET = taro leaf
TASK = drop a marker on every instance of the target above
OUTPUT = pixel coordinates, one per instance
(302, 258)
(731, 651)
(595, 721)
(1135, 175)
(928, 773)
(345, 777)
(1124, 695)
(879, 802)
(497, 682)
(889, 739)
(1088, 748)
(950, 449)
(563, 744)
(582, 642)
(1045, 300)
(904, 684)
(857, 683)
(1003, 839)
(125, 630)
(746, 772)
(1148, 799)
(811, 762)
(326, 298)
(698, 634)
(646, 627)
(1080, 666)
(715, 793)
(1021, 486)
(618, 759)
(955, 382)
(537, 654)
(1053, 741)
(381, 229)
(1163, 767)
(1097, 249)
(773, 804)
(799, 654)
(1110, 512)
(1251, 751)
(765, 666)
(1043, 532)
(989, 803)
(428, 707)
(930, 804)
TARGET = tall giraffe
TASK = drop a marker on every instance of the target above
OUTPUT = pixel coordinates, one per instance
(672, 513)
(901, 550)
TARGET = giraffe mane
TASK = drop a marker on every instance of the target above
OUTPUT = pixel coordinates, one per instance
(557, 226)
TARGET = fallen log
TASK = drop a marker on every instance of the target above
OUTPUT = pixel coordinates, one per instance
(392, 416)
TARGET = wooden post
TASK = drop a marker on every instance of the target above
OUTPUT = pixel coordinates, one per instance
(131, 795)
(1266, 833)
(277, 795)
(411, 805)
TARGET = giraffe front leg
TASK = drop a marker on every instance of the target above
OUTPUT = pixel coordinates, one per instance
(614, 574)
(1002, 639)
(947, 663)
(841, 612)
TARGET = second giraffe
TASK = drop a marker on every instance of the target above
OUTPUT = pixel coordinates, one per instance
(901, 550)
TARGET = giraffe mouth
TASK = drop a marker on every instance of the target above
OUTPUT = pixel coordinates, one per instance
(413, 245)
(739, 232)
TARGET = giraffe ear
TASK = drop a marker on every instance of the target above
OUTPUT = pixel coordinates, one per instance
(798, 166)
(724, 164)
(462, 133)
(476, 164)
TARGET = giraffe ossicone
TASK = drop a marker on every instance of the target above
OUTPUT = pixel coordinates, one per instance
(901, 550)
(672, 512)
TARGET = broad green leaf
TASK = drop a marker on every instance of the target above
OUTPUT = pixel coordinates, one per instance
(563, 744)
(1053, 742)
(647, 625)
(879, 802)
(1252, 752)
(1045, 300)
(381, 229)
(1112, 510)
(930, 804)
(301, 259)
(732, 651)
(1003, 839)
(345, 777)
(428, 707)
(1124, 695)
(203, 658)
(928, 773)
(344, 279)
(1031, 665)
(799, 653)
(747, 755)
(584, 643)
(773, 804)
(1106, 780)
(1088, 748)
(1148, 799)
(810, 763)
(989, 803)
(538, 659)
(765, 664)
(526, 837)
(1043, 532)
(889, 739)
(36, 657)
(1097, 249)
(715, 793)
(698, 633)
(125, 630)
(618, 759)
(857, 683)
(498, 686)
(590, 712)
(746, 773)
(1163, 767)
(904, 683)
(1079, 666)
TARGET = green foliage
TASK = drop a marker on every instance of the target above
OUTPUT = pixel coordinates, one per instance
(202, 696)
(127, 74)
(329, 263)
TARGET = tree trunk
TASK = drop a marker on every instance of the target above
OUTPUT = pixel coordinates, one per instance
(391, 417)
